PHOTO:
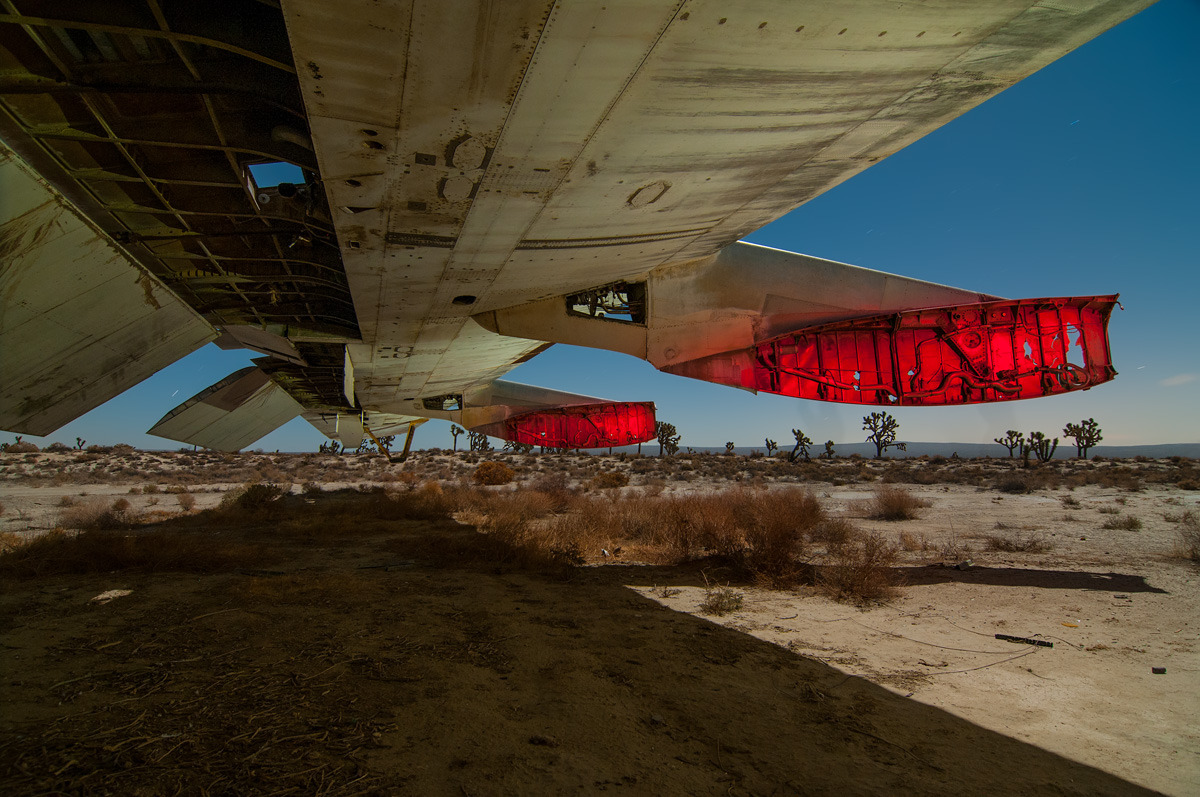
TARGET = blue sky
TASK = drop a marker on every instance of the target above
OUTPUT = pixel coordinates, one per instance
(1080, 180)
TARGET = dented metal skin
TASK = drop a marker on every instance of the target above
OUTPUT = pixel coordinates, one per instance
(467, 166)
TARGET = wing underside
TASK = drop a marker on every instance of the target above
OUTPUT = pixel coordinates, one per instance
(459, 167)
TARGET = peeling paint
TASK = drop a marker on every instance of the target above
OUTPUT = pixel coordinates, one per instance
(148, 290)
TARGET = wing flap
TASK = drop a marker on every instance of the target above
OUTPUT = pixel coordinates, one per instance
(231, 414)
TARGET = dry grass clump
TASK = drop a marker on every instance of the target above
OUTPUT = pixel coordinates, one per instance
(719, 601)
(775, 535)
(832, 532)
(860, 571)
(255, 498)
(430, 501)
(895, 503)
(913, 542)
(1014, 485)
(492, 473)
(1189, 537)
(1017, 544)
(610, 479)
(96, 515)
(1123, 523)
(102, 551)
(557, 487)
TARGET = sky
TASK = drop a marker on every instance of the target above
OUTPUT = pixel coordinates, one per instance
(1080, 180)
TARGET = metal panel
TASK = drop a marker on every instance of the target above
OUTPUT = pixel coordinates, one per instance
(231, 414)
(742, 295)
(491, 155)
(80, 322)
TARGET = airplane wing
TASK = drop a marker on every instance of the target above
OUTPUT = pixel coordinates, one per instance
(472, 181)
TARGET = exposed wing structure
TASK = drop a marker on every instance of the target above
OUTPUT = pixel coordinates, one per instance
(480, 179)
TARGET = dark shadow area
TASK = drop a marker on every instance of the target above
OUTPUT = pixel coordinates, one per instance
(415, 657)
(1027, 577)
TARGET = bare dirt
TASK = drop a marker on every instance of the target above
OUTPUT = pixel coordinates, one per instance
(327, 652)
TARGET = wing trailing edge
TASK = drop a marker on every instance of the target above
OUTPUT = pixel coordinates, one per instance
(81, 323)
(231, 414)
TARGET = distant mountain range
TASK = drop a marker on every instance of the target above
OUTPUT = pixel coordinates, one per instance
(965, 450)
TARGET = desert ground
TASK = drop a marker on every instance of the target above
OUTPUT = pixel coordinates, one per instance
(201, 623)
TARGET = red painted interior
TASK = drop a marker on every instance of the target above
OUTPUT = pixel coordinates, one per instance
(584, 426)
(968, 354)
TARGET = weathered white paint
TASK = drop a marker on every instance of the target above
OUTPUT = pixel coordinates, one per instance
(231, 414)
(80, 322)
(740, 296)
(519, 151)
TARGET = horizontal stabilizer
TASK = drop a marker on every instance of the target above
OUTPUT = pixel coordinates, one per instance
(231, 414)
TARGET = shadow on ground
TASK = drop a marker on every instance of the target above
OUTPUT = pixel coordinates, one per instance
(1028, 577)
(374, 663)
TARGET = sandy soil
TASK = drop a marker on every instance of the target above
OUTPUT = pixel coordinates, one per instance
(406, 658)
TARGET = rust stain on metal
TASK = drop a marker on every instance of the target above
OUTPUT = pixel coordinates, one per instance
(148, 289)
(27, 232)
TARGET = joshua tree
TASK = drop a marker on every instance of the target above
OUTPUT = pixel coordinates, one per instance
(479, 441)
(729, 448)
(668, 438)
(1038, 445)
(520, 448)
(1086, 434)
(331, 447)
(803, 441)
(771, 447)
(455, 431)
(829, 453)
(882, 428)
(1012, 440)
(80, 443)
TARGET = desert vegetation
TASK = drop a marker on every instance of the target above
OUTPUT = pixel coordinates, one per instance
(319, 553)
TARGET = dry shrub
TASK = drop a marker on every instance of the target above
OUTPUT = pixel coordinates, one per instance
(1189, 536)
(859, 572)
(1017, 544)
(609, 480)
(557, 488)
(1123, 523)
(255, 498)
(720, 601)
(913, 542)
(187, 501)
(492, 473)
(24, 447)
(96, 515)
(427, 502)
(775, 533)
(833, 532)
(102, 551)
(895, 503)
(1013, 484)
